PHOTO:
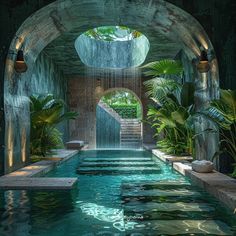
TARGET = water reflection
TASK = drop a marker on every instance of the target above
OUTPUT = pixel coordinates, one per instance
(15, 219)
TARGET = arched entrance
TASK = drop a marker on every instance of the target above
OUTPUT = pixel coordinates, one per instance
(119, 114)
(65, 15)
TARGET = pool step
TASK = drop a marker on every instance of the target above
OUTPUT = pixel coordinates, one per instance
(156, 184)
(178, 206)
(178, 227)
(112, 159)
(159, 193)
(119, 170)
(117, 164)
(168, 211)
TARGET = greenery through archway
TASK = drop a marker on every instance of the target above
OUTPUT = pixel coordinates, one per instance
(124, 103)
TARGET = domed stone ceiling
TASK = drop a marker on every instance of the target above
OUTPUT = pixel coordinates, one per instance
(63, 52)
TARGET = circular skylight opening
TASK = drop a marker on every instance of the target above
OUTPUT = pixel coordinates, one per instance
(112, 47)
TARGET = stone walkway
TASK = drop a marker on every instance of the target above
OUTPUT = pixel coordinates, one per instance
(28, 176)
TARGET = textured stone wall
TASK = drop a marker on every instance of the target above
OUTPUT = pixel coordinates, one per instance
(46, 78)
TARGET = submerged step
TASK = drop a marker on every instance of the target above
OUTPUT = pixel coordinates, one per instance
(120, 170)
(158, 192)
(138, 207)
(155, 184)
(179, 227)
(118, 159)
(118, 164)
(168, 211)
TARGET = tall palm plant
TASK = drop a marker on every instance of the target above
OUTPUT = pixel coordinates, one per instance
(46, 112)
(174, 103)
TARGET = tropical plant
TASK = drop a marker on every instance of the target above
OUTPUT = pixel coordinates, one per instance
(172, 118)
(166, 68)
(124, 103)
(173, 106)
(119, 98)
(112, 33)
(46, 112)
(222, 112)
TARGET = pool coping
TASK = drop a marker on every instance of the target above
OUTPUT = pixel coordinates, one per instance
(19, 179)
(219, 185)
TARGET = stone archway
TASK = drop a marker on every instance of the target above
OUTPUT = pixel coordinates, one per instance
(63, 15)
(114, 131)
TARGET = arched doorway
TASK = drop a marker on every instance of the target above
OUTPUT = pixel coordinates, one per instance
(119, 115)
(63, 16)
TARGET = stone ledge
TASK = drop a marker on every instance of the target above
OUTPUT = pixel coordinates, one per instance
(24, 178)
(44, 166)
(221, 186)
(37, 183)
(170, 158)
(182, 168)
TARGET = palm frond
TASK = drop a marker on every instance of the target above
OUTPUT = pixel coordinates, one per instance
(164, 68)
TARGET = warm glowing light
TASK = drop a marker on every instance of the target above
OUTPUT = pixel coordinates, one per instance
(202, 40)
(10, 144)
(34, 167)
(23, 145)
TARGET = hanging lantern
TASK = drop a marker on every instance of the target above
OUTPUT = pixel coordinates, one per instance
(203, 66)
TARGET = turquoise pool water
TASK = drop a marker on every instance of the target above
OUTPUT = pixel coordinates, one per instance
(118, 193)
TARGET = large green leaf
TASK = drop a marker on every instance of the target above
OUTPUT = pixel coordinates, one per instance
(46, 113)
(164, 68)
(180, 115)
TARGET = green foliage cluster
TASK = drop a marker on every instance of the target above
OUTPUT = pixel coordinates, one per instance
(45, 113)
(126, 111)
(172, 113)
(124, 103)
(172, 107)
(222, 112)
(119, 97)
(112, 33)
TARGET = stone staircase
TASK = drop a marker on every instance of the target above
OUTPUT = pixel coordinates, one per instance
(131, 133)
(130, 129)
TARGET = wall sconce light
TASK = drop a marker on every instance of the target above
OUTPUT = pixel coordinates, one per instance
(203, 66)
(20, 65)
